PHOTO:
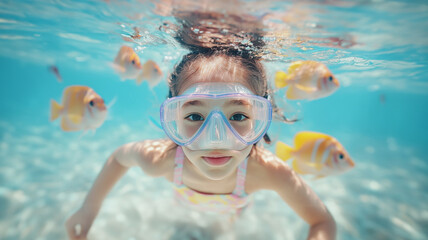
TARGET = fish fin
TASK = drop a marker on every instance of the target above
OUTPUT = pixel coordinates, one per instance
(151, 72)
(294, 66)
(111, 103)
(56, 109)
(140, 78)
(66, 126)
(306, 89)
(281, 79)
(317, 177)
(293, 93)
(303, 137)
(84, 132)
(117, 67)
(296, 168)
(154, 81)
(283, 151)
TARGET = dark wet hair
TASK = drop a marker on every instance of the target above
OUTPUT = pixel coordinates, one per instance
(209, 35)
(192, 63)
(207, 32)
(237, 40)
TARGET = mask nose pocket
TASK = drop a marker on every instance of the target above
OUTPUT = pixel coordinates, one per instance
(216, 129)
(216, 134)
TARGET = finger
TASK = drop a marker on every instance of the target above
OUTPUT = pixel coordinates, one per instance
(77, 230)
(70, 230)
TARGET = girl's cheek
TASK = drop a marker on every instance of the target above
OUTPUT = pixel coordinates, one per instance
(191, 130)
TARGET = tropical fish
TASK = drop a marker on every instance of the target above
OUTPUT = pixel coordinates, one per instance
(127, 64)
(151, 72)
(307, 80)
(315, 153)
(81, 109)
(55, 71)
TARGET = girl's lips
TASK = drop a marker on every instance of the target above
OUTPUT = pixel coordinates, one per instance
(216, 161)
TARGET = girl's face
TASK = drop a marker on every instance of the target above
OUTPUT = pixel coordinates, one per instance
(216, 164)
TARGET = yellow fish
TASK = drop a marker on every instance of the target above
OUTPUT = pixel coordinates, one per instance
(307, 80)
(315, 153)
(127, 64)
(81, 109)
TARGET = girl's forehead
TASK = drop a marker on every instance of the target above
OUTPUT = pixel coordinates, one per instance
(214, 69)
(217, 88)
(192, 82)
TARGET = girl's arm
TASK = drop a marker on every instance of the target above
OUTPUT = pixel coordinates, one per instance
(141, 153)
(299, 196)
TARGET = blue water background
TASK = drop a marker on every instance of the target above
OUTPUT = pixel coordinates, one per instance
(379, 115)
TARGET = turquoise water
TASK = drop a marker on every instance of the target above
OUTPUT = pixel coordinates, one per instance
(378, 114)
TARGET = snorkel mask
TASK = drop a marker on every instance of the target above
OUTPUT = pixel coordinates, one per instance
(216, 116)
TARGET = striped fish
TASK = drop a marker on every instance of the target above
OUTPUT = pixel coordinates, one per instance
(317, 154)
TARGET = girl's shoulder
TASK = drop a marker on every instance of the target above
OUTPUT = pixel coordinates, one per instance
(155, 157)
(265, 171)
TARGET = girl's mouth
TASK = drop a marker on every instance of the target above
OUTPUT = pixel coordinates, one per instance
(217, 161)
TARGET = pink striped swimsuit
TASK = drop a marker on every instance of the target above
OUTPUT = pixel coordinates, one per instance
(221, 203)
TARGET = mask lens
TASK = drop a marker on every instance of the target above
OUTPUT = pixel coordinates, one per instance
(245, 118)
(240, 115)
(238, 119)
(190, 121)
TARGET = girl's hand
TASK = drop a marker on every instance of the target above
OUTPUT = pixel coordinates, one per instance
(79, 223)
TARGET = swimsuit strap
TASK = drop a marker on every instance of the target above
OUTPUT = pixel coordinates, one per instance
(240, 179)
(178, 170)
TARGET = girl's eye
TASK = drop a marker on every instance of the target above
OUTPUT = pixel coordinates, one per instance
(194, 117)
(238, 117)
(91, 103)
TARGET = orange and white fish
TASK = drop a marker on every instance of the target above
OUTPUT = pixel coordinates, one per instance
(127, 64)
(307, 80)
(315, 153)
(81, 109)
(151, 72)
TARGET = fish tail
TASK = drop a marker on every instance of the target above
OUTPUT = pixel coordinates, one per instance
(55, 110)
(283, 151)
(281, 79)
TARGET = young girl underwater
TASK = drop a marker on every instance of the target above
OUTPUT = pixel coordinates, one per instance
(218, 110)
